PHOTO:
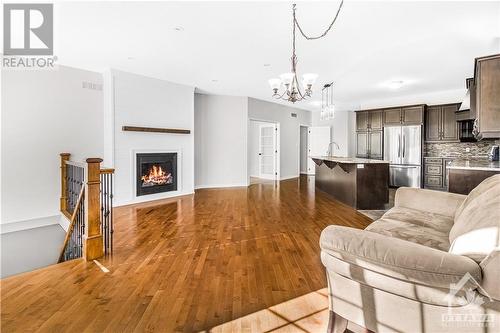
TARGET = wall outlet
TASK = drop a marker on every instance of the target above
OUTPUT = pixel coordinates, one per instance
(467, 150)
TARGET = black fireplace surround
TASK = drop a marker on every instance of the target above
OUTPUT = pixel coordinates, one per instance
(156, 173)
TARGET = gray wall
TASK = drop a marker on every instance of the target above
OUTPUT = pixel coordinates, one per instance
(220, 134)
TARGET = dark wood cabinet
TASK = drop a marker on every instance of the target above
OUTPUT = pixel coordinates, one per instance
(375, 144)
(433, 123)
(362, 144)
(441, 123)
(413, 115)
(408, 115)
(369, 120)
(376, 120)
(369, 144)
(486, 97)
(392, 116)
(369, 134)
(449, 123)
(362, 121)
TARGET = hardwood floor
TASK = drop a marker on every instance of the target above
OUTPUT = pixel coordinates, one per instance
(197, 263)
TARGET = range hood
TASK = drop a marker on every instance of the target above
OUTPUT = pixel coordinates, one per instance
(465, 106)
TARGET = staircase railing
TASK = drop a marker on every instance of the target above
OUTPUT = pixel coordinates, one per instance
(87, 202)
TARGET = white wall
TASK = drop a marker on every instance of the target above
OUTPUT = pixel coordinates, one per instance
(303, 149)
(45, 113)
(149, 102)
(341, 129)
(289, 131)
(220, 140)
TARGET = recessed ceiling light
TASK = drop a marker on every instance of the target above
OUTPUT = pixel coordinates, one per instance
(215, 80)
(267, 65)
(396, 84)
(130, 58)
(179, 28)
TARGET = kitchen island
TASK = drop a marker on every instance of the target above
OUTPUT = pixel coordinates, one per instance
(358, 182)
(465, 175)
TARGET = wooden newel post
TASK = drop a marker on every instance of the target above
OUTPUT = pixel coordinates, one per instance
(64, 158)
(93, 244)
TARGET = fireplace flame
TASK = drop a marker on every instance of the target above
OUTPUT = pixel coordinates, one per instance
(156, 176)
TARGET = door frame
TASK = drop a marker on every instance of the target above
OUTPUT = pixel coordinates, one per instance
(299, 172)
(278, 147)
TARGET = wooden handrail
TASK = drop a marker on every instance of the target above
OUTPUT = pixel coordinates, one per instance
(93, 224)
(71, 224)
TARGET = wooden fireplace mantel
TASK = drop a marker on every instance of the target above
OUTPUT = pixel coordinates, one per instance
(155, 130)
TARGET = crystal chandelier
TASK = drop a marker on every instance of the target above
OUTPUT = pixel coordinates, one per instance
(292, 91)
(327, 105)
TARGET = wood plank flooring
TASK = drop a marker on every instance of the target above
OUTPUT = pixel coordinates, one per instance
(204, 262)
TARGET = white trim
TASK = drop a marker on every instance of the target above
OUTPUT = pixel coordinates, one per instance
(64, 222)
(199, 187)
(151, 199)
(29, 224)
(289, 177)
(299, 146)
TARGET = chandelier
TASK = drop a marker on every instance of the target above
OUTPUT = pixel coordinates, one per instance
(327, 106)
(292, 91)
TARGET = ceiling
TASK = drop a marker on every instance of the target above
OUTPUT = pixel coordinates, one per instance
(223, 47)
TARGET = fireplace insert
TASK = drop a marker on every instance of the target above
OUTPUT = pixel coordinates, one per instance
(156, 173)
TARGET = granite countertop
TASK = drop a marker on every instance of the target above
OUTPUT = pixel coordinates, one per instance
(349, 160)
(474, 164)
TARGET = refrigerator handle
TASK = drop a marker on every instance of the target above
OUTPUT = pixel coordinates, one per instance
(404, 145)
(399, 145)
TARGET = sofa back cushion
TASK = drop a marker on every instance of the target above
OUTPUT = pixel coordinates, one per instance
(476, 228)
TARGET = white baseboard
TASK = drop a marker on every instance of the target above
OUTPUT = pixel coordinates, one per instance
(151, 198)
(197, 187)
(289, 177)
(28, 224)
(64, 222)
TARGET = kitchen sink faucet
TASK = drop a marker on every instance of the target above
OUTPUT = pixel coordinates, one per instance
(330, 150)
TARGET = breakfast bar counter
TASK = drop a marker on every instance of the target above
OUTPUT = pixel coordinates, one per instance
(358, 182)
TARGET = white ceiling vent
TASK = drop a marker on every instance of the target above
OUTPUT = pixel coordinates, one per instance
(91, 86)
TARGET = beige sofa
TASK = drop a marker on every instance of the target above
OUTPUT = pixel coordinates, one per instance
(430, 264)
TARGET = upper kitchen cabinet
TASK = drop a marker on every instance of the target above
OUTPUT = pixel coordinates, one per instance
(369, 120)
(362, 120)
(409, 115)
(413, 115)
(487, 97)
(392, 116)
(441, 123)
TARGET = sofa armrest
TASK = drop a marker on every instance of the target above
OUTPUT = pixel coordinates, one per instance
(396, 258)
(437, 202)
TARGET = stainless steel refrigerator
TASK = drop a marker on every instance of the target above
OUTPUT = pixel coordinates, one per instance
(403, 149)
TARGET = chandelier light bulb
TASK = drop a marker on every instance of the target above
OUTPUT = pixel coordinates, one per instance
(287, 78)
(275, 83)
(308, 79)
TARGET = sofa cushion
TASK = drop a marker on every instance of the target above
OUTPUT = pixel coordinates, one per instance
(415, 226)
(476, 229)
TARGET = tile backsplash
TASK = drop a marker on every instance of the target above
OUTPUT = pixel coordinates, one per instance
(478, 149)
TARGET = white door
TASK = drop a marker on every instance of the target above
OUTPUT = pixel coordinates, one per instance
(267, 151)
(318, 140)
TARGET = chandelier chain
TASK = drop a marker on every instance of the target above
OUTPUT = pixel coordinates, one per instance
(324, 33)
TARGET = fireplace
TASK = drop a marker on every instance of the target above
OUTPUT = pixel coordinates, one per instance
(156, 173)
